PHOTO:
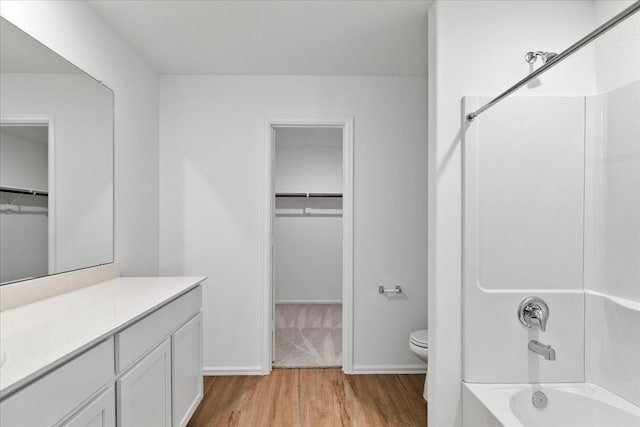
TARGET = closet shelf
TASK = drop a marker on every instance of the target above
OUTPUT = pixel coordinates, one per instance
(301, 204)
(16, 190)
(308, 194)
(313, 212)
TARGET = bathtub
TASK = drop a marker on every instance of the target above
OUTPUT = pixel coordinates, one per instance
(569, 405)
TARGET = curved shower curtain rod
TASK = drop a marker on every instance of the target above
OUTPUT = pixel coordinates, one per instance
(561, 56)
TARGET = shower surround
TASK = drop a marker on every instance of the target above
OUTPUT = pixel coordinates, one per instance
(551, 210)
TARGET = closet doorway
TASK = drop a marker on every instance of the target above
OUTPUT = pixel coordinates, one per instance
(27, 238)
(309, 249)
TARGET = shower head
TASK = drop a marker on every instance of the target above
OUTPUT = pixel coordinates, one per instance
(531, 57)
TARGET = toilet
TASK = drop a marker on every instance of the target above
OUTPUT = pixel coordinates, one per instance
(419, 344)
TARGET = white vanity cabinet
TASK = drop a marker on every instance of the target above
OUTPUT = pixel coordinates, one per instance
(160, 360)
(50, 399)
(101, 412)
(144, 392)
(165, 387)
(145, 372)
(161, 364)
(186, 356)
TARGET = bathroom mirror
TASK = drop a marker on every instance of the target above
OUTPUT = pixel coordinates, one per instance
(56, 162)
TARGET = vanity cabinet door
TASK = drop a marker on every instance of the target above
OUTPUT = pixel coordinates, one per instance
(101, 412)
(144, 391)
(61, 392)
(187, 370)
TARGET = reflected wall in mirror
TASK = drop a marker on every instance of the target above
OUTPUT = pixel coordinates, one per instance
(56, 162)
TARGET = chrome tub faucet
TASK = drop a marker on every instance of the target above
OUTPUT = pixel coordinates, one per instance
(543, 350)
(533, 313)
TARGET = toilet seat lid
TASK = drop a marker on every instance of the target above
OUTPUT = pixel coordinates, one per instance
(420, 338)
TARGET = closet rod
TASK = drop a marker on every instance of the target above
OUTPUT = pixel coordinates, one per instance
(308, 195)
(15, 190)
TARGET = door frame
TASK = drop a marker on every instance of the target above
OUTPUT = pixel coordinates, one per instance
(271, 124)
(43, 120)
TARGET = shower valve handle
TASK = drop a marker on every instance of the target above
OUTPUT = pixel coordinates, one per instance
(533, 313)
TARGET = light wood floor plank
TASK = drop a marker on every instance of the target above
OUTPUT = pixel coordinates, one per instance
(312, 398)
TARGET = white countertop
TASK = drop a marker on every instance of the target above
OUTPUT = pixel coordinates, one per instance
(40, 336)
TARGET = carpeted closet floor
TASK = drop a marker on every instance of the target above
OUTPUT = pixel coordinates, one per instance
(308, 335)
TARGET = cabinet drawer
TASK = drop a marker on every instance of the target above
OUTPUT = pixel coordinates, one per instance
(140, 337)
(48, 400)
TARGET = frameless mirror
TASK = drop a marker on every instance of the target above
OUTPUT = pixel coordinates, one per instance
(56, 162)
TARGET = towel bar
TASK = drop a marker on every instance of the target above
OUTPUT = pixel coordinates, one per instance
(396, 290)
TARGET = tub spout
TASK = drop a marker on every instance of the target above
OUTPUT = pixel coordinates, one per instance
(543, 350)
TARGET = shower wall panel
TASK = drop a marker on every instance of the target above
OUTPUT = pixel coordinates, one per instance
(525, 164)
(612, 241)
(523, 235)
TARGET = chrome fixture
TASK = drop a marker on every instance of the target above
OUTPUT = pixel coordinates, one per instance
(635, 7)
(542, 349)
(531, 57)
(533, 312)
(396, 290)
(539, 400)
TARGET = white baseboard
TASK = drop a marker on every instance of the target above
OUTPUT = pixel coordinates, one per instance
(213, 371)
(314, 301)
(390, 369)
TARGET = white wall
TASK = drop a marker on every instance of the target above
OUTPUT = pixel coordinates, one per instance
(307, 258)
(477, 48)
(23, 244)
(23, 236)
(23, 161)
(82, 113)
(76, 32)
(308, 160)
(308, 248)
(211, 160)
(616, 52)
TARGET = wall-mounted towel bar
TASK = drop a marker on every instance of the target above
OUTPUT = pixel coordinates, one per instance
(396, 290)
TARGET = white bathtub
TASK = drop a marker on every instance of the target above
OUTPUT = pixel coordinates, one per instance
(569, 405)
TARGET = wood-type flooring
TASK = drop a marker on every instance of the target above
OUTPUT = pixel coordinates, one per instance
(312, 398)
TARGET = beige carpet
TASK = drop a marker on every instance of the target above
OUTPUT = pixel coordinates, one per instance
(308, 335)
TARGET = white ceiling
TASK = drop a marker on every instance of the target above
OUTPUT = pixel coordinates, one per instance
(319, 37)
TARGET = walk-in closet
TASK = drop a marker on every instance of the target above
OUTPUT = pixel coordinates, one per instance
(307, 247)
(24, 201)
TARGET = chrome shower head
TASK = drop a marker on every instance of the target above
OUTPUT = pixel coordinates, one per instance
(531, 57)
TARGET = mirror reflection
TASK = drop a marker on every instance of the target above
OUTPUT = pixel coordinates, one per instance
(56, 162)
